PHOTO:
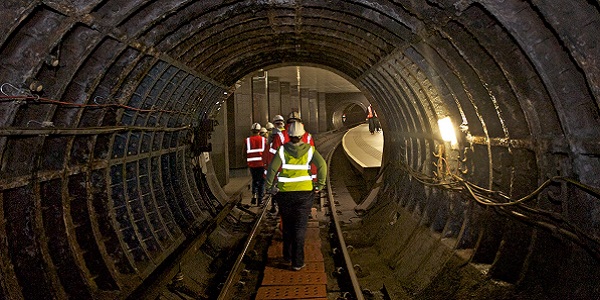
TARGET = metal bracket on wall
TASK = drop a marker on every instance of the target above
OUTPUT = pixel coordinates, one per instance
(201, 134)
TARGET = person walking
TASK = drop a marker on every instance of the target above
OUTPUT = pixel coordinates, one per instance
(278, 126)
(283, 137)
(264, 133)
(295, 190)
(371, 118)
(269, 127)
(255, 146)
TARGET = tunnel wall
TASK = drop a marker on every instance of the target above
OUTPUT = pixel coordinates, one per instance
(104, 190)
(101, 99)
(512, 144)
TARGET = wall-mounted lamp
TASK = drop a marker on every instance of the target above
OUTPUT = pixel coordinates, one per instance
(447, 131)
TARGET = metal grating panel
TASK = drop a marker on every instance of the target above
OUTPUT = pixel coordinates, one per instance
(311, 267)
(282, 277)
(292, 292)
(311, 252)
(313, 235)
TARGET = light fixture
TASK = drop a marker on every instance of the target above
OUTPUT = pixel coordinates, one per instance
(447, 131)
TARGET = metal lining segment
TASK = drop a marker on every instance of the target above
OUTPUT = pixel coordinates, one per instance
(548, 74)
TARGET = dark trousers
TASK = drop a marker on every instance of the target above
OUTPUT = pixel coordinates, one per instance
(258, 182)
(294, 208)
(371, 125)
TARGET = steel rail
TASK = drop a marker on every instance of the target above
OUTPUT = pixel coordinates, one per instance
(235, 270)
(166, 271)
(349, 266)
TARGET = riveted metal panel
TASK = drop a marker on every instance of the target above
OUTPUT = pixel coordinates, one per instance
(59, 243)
(293, 278)
(292, 292)
(24, 240)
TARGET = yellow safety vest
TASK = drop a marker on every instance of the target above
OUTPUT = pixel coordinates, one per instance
(295, 172)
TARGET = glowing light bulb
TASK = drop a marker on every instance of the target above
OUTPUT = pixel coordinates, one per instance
(447, 130)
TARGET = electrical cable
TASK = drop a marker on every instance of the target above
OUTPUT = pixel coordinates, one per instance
(41, 100)
(547, 220)
(12, 131)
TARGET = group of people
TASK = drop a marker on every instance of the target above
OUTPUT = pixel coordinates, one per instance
(285, 164)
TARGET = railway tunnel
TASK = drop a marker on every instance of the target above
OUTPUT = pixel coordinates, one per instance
(107, 106)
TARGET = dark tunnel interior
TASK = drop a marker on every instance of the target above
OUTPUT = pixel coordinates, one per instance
(106, 104)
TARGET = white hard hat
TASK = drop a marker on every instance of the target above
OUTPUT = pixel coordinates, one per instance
(263, 131)
(278, 118)
(269, 126)
(296, 129)
(294, 116)
(255, 126)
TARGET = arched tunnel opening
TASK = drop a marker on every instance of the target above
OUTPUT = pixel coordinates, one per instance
(348, 114)
(109, 147)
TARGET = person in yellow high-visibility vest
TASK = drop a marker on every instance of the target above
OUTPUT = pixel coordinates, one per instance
(295, 190)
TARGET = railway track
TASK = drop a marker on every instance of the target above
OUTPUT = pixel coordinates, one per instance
(245, 275)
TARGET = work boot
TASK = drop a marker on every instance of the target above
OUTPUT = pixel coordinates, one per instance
(253, 202)
(299, 268)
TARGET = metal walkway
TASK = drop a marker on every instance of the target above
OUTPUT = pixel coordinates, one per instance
(280, 282)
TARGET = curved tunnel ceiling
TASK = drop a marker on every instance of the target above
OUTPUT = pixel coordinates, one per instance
(115, 85)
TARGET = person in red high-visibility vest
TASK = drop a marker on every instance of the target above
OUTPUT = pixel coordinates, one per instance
(255, 146)
(281, 137)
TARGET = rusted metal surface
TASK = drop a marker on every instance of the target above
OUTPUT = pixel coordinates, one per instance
(311, 267)
(294, 278)
(107, 193)
(312, 251)
(292, 292)
(113, 222)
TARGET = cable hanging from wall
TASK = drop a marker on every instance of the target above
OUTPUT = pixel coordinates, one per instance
(516, 208)
(29, 98)
(49, 130)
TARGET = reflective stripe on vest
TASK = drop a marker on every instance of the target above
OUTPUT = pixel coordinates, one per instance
(281, 136)
(295, 172)
(254, 155)
(249, 148)
(296, 179)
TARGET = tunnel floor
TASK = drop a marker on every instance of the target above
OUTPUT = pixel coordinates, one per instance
(380, 260)
(349, 189)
